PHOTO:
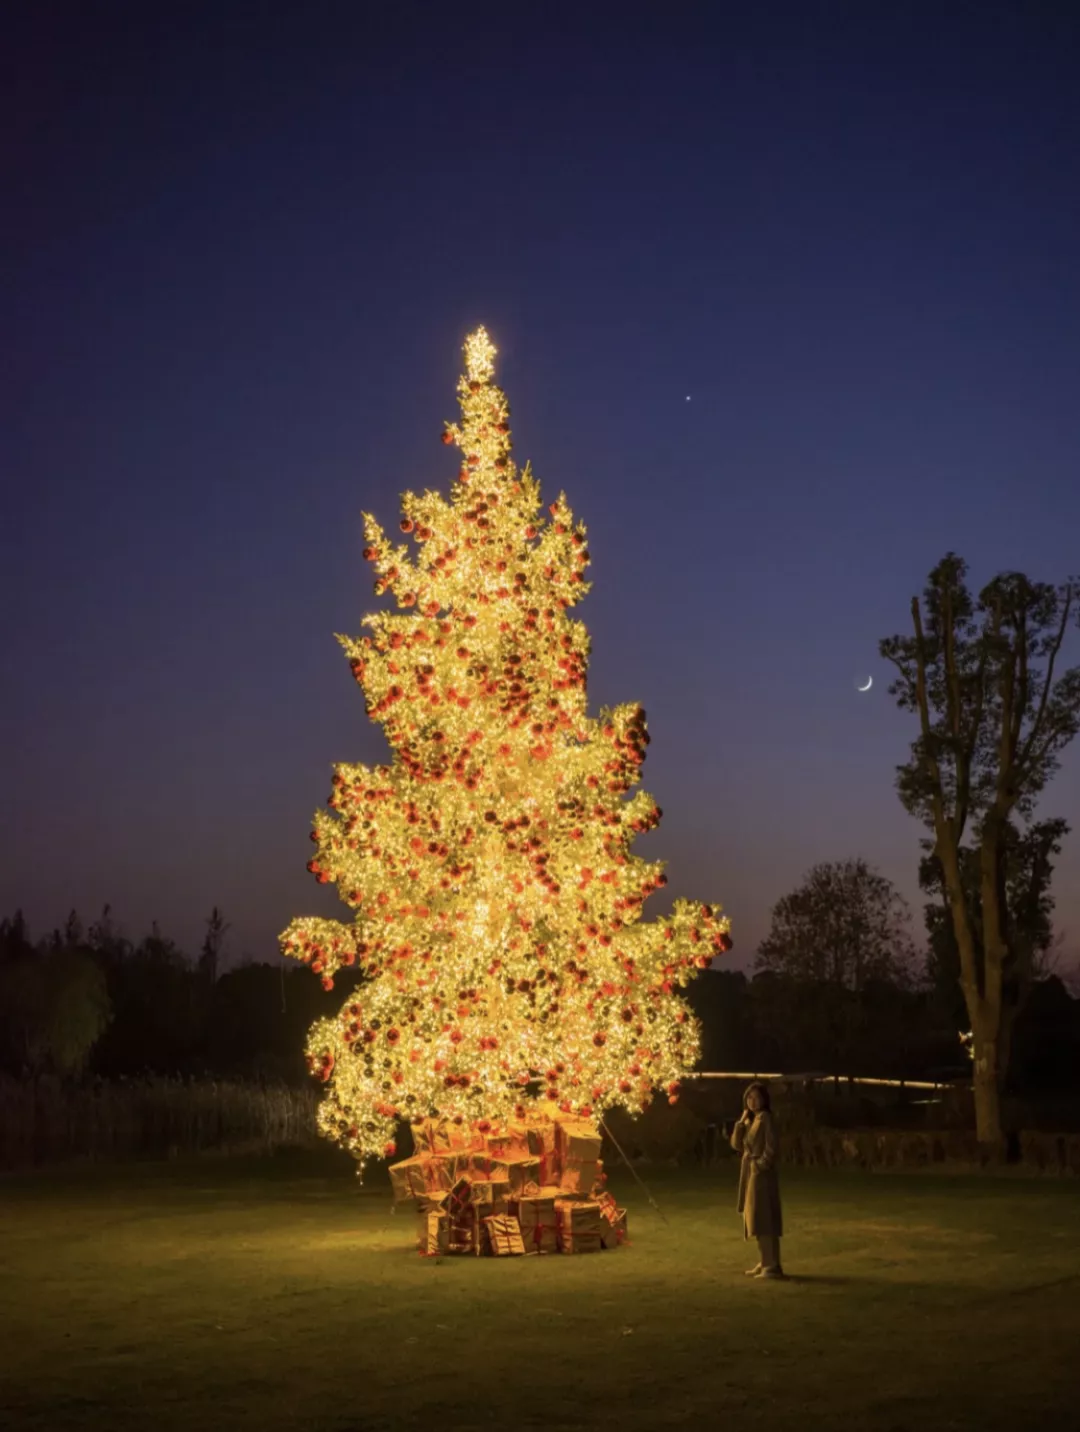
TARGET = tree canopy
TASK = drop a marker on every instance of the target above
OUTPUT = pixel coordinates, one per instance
(846, 925)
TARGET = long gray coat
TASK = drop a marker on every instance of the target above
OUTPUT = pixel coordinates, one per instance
(759, 1187)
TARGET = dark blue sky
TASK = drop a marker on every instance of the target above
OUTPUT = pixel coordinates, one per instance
(242, 246)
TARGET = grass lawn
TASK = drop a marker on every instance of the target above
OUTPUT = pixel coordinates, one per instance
(274, 1293)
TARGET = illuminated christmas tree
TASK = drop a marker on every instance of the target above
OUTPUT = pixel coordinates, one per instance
(496, 902)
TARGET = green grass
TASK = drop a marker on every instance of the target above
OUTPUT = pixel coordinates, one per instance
(274, 1293)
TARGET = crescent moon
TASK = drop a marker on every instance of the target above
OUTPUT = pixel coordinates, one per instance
(869, 683)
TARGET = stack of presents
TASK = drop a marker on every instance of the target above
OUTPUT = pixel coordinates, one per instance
(535, 1187)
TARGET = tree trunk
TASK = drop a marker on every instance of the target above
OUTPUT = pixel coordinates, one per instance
(987, 1079)
(990, 1043)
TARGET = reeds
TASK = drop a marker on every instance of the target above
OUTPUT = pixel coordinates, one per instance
(48, 1121)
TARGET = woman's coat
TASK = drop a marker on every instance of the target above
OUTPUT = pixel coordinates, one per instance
(759, 1187)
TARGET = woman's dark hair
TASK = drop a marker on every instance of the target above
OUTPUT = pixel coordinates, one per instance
(763, 1090)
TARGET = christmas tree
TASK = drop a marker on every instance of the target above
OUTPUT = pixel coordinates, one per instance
(496, 902)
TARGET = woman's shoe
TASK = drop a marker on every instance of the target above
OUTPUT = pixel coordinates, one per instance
(777, 1273)
(753, 1272)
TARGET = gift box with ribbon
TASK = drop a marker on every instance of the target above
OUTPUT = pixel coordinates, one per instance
(408, 1179)
(580, 1177)
(613, 1232)
(425, 1137)
(509, 1143)
(580, 1225)
(434, 1232)
(606, 1202)
(441, 1171)
(523, 1173)
(576, 1142)
(463, 1216)
(502, 1235)
(535, 1214)
(443, 1136)
(542, 1145)
(490, 1194)
(484, 1166)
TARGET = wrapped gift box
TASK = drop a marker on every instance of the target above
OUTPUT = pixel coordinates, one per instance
(576, 1142)
(408, 1178)
(443, 1136)
(510, 1143)
(614, 1234)
(523, 1173)
(490, 1194)
(463, 1216)
(580, 1225)
(541, 1140)
(535, 1214)
(441, 1171)
(502, 1235)
(473, 1190)
(434, 1232)
(580, 1178)
(433, 1136)
(464, 1235)
(607, 1205)
(483, 1165)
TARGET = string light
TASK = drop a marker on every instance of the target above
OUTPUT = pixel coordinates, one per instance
(496, 900)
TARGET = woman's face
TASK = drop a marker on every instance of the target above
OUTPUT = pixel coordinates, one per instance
(754, 1101)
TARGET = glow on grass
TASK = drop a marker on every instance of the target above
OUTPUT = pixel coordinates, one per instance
(496, 901)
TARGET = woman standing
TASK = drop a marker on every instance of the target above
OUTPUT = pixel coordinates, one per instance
(754, 1136)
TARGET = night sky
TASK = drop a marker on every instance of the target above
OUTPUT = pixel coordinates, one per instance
(242, 246)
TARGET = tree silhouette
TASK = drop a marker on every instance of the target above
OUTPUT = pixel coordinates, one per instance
(835, 964)
(979, 675)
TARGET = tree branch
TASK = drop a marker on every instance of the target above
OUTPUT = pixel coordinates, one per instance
(963, 752)
(1022, 763)
(1004, 760)
(952, 682)
(904, 674)
(936, 793)
(976, 723)
(1022, 692)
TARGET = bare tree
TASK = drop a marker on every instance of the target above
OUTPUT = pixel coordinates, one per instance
(979, 676)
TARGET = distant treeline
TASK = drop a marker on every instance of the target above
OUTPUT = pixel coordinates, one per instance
(88, 1004)
(775, 1023)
